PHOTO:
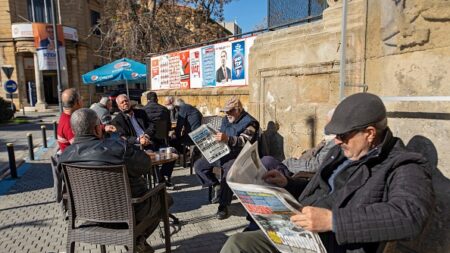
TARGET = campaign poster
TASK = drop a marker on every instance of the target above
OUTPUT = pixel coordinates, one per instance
(196, 76)
(185, 70)
(155, 73)
(238, 62)
(223, 64)
(208, 66)
(164, 70)
(44, 41)
(175, 70)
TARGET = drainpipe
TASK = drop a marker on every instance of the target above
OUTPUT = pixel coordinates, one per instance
(343, 53)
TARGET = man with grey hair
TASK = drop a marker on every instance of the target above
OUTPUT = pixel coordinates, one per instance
(90, 148)
(369, 189)
(189, 119)
(169, 103)
(71, 101)
(102, 108)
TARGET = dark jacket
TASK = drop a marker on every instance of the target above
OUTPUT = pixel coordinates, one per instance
(189, 119)
(386, 195)
(125, 129)
(156, 112)
(236, 129)
(89, 150)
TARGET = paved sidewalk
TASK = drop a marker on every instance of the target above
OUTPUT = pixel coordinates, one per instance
(30, 221)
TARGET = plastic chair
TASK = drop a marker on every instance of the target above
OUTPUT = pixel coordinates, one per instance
(99, 200)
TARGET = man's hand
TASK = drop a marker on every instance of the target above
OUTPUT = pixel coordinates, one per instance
(110, 128)
(314, 219)
(221, 137)
(276, 178)
(144, 140)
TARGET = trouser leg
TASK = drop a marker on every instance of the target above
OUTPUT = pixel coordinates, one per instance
(248, 242)
(226, 194)
(167, 169)
(204, 171)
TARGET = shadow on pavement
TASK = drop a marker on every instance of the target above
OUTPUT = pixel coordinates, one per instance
(38, 177)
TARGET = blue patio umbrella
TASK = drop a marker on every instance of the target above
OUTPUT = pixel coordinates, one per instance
(117, 72)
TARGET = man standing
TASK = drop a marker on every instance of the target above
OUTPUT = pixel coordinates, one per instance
(237, 128)
(223, 74)
(132, 124)
(71, 101)
(169, 103)
(158, 114)
(89, 148)
(368, 190)
(102, 108)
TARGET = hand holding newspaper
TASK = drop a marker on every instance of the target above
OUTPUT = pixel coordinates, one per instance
(271, 207)
(212, 150)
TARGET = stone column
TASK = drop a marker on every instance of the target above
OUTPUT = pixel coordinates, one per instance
(21, 80)
(39, 81)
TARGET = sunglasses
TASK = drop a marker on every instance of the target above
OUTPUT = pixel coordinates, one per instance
(348, 135)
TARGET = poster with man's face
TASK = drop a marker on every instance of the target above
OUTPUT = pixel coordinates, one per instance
(44, 41)
(223, 64)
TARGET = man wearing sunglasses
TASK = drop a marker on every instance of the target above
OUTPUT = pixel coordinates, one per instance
(237, 128)
(368, 190)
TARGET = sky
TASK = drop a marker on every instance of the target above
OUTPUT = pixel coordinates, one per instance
(247, 13)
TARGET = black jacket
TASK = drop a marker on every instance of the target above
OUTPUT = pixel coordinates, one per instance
(384, 196)
(89, 150)
(189, 119)
(125, 128)
(156, 112)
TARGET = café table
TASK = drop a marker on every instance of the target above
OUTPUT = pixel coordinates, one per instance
(157, 160)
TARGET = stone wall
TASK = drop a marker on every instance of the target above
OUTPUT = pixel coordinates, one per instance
(397, 49)
(208, 100)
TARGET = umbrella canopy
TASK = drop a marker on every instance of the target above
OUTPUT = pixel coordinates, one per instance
(117, 72)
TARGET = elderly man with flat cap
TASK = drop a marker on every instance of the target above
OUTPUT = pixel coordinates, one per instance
(368, 190)
(238, 127)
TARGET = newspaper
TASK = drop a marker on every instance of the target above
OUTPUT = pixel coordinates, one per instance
(271, 207)
(203, 138)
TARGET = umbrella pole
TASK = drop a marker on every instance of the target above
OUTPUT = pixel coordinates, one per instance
(128, 92)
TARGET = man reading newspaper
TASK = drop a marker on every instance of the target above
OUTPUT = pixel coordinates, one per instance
(368, 190)
(238, 127)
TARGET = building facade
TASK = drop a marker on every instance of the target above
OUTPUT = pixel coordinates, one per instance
(37, 90)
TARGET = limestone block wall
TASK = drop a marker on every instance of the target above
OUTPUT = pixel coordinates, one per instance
(208, 101)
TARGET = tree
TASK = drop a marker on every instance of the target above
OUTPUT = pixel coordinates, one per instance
(134, 28)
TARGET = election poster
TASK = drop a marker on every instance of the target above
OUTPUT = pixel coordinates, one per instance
(185, 70)
(196, 76)
(155, 73)
(208, 66)
(44, 41)
(238, 62)
(175, 71)
(223, 63)
(164, 72)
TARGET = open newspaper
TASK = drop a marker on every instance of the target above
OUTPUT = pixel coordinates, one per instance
(203, 138)
(271, 207)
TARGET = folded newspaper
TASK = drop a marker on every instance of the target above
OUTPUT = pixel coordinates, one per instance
(271, 207)
(203, 138)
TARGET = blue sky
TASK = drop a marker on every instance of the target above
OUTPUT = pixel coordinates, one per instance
(247, 13)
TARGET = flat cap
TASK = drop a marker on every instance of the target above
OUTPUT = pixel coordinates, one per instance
(355, 112)
(232, 103)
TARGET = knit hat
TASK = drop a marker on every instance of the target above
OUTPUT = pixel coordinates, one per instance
(355, 112)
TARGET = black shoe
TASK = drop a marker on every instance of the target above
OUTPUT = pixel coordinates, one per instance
(215, 194)
(169, 185)
(143, 247)
(222, 213)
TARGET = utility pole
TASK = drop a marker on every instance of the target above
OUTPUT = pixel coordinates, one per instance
(58, 64)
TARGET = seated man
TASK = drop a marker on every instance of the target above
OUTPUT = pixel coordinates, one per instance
(89, 148)
(368, 190)
(237, 128)
(102, 108)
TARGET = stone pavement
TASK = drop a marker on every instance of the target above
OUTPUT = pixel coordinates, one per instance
(17, 134)
(30, 221)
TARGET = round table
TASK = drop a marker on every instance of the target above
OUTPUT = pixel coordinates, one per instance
(156, 163)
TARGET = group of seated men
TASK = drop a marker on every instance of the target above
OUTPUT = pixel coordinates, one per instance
(368, 189)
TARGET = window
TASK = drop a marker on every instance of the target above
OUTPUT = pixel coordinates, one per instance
(40, 11)
(95, 18)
